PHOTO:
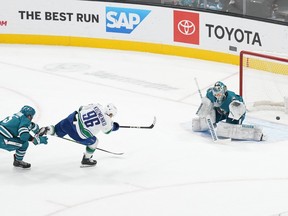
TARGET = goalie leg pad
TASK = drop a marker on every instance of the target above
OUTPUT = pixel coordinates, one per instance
(199, 124)
(258, 134)
(286, 104)
(240, 132)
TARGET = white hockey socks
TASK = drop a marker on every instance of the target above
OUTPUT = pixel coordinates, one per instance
(90, 149)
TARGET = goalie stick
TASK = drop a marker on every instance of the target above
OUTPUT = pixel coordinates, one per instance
(209, 122)
(140, 127)
(208, 119)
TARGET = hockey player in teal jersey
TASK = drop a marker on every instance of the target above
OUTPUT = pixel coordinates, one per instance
(227, 111)
(15, 134)
(221, 99)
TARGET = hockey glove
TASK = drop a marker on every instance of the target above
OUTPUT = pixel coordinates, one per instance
(34, 127)
(205, 108)
(115, 126)
(50, 130)
(237, 109)
(42, 131)
(40, 140)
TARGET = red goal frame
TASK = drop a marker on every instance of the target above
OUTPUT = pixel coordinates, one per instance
(265, 56)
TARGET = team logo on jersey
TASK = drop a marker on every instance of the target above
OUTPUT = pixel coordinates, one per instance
(186, 27)
(124, 20)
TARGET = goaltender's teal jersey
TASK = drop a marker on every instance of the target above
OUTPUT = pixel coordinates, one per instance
(224, 106)
(15, 126)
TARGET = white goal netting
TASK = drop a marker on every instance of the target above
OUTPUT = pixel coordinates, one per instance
(264, 81)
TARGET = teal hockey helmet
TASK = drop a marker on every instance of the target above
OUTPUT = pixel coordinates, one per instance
(28, 111)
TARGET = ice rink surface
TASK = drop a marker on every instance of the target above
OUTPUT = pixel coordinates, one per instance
(168, 170)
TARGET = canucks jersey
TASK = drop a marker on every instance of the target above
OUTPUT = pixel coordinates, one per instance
(92, 119)
(15, 126)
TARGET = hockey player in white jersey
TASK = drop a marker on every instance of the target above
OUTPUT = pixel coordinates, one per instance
(227, 112)
(83, 125)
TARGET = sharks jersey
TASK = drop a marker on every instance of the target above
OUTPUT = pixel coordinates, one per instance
(223, 107)
(91, 119)
(14, 126)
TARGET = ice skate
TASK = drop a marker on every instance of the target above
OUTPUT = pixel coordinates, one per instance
(22, 164)
(88, 162)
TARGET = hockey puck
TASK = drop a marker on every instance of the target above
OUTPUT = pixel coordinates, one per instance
(277, 118)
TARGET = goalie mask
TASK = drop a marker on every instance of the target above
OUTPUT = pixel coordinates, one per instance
(111, 110)
(219, 91)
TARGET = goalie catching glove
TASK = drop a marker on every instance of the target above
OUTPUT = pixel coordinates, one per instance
(237, 109)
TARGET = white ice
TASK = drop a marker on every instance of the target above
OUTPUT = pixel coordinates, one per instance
(168, 170)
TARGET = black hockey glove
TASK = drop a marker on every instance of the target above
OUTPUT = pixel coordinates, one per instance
(115, 126)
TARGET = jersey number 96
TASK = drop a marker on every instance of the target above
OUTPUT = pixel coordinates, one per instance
(90, 119)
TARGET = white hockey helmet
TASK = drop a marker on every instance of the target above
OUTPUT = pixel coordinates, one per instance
(111, 110)
(219, 90)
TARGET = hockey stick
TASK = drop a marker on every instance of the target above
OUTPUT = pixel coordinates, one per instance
(140, 127)
(114, 153)
(43, 131)
(208, 118)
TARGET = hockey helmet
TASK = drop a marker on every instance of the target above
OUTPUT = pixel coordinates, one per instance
(111, 110)
(219, 90)
(28, 111)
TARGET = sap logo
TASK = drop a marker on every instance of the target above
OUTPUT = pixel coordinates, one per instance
(124, 20)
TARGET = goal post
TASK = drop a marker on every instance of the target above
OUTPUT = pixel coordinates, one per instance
(263, 80)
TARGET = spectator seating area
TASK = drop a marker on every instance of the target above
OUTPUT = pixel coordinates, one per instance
(281, 10)
(266, 9)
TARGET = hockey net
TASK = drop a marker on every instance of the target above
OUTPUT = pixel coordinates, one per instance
(263, 81)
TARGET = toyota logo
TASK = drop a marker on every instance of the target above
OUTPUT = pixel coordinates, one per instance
(186, 27)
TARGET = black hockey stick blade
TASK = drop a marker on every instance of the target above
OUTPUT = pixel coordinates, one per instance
(114, 153)
(140, 127)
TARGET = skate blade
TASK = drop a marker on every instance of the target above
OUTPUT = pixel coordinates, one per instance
(86, 166)
(22, 168)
